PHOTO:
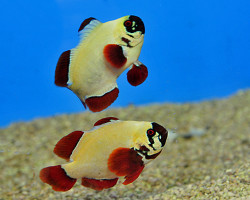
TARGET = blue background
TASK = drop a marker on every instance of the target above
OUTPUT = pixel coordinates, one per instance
(194, 50)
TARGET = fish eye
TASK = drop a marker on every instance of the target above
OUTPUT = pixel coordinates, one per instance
(150, 132)
(127, 23)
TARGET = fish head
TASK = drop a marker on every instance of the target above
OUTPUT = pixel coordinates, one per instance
(151, 139)
(134, 26)
(130, 31)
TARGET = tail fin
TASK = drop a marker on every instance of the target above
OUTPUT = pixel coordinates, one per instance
(57, 178)
(62, 69)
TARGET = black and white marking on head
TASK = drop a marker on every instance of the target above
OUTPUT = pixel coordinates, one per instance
(143, 151)
(157, 134)
(134, 24)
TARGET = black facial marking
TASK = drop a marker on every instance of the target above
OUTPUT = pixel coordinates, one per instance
(133, 27)
(127, 41)
(162, 131)
(151, 140)
(144, 151)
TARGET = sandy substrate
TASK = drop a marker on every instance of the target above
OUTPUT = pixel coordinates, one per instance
(214, 165)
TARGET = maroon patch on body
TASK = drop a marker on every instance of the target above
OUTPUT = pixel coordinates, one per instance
(105, 120)
(85, 23)
(67, 144)
(126, 162)
(57, 178)
(99, 103)
(99, 184)
(62, 69)
(114, 55)
(137, 75)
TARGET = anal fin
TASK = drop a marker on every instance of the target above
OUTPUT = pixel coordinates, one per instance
(62, 69)
(99, 184)
(67, 144)
(99, 103)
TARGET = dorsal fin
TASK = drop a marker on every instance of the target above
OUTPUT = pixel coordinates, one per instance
(67, 144)
(105, 120)
(87, 26)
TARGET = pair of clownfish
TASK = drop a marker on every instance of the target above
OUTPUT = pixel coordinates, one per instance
(113, 149)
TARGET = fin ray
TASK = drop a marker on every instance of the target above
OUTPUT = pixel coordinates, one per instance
(87, 26)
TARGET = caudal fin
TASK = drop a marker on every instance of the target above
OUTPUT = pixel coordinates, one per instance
(57, 178)
(62, 69)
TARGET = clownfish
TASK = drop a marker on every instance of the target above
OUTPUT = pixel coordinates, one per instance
(113, 149)
(105, 50)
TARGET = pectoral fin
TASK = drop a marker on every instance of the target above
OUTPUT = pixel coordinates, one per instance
(114, 55)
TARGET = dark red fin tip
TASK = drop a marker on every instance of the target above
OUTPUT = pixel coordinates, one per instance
(105, 120)
(62, 69)
(137, 75)
(126, 162)
(57, 178)
(67, 144)
(113, 53)
(131, 178)
(99, 103)
(85, 23)
(99, 184)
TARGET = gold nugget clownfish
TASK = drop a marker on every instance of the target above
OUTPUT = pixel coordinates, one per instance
(106, 49)
(113, 149)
